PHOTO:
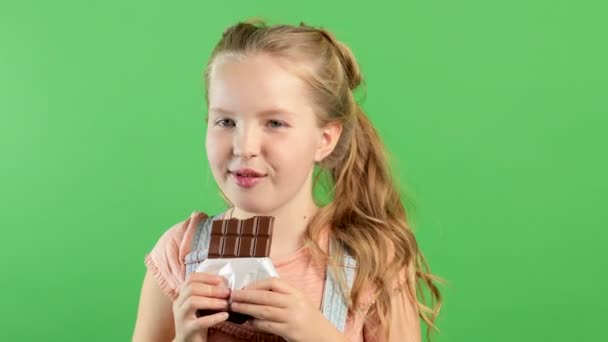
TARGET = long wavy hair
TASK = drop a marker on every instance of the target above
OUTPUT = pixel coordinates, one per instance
(366, 214)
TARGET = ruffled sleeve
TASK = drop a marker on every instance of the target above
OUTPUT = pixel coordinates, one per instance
(166, 259)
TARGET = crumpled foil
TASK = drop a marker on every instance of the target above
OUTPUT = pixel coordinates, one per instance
(239, 272)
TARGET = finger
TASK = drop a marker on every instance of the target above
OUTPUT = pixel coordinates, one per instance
(264, 312)
(193, 288)
(204, 290)
(207, 278)
(207, 321)
(263, 297)
(272, 284)
(191, 304)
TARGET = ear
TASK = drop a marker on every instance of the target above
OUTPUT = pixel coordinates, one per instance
(330, 134)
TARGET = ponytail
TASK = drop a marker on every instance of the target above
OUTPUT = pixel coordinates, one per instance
(369, 221)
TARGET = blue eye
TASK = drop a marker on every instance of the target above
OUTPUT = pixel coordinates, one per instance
(225, 123)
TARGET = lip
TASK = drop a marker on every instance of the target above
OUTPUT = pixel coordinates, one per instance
(247, 178)
(247, 173)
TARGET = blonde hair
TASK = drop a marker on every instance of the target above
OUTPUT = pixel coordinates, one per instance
(366, 216)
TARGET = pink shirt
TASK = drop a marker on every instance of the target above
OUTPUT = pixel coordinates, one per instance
(166, 262)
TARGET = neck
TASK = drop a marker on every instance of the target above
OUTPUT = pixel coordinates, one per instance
(290, 224)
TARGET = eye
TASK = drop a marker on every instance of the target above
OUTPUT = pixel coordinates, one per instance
(225, 123)
(276, 123)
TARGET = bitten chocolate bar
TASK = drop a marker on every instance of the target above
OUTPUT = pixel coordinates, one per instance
(234, 238)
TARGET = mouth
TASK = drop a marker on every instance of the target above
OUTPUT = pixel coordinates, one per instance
(247, 173)
(247, 178)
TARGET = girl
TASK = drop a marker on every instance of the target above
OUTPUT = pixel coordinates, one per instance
(281, 107)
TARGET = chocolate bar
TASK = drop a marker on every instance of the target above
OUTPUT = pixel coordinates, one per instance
(234, 238)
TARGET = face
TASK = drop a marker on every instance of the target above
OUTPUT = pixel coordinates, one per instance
(262, 134)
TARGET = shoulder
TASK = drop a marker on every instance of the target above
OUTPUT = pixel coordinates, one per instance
(402, 280)
(166, 259)
(179, 236)
(402, 292)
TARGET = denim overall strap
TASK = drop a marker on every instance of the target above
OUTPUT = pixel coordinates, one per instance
(200, 244)
(334, 306)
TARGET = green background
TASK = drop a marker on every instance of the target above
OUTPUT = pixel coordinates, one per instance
(494, 113)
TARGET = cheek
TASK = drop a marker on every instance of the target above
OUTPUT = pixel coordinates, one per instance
(295, 154)
(215, 146)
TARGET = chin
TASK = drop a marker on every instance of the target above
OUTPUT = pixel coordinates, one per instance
(252, 208)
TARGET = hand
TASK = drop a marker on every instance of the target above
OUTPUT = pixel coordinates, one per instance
(283, 310)
(199, 291)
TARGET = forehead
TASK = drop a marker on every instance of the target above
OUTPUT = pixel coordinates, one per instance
(255, 84)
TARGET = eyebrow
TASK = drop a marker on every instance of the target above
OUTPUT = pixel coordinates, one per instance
(266, 112)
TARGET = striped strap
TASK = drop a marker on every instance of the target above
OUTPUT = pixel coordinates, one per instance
(334, 306)
(200, 244)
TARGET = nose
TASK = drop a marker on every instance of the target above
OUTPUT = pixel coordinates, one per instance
(246, 142)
